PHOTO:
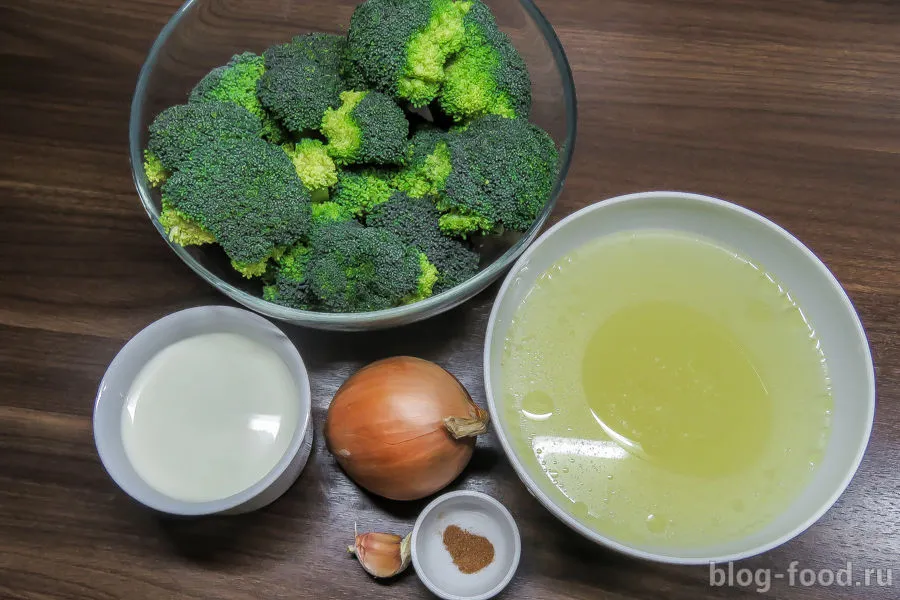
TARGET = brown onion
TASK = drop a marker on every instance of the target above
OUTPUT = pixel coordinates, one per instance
(403, 427)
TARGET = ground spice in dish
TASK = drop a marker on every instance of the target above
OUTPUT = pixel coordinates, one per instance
(471, 553)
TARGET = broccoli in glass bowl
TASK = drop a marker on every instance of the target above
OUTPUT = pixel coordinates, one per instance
(352, 166)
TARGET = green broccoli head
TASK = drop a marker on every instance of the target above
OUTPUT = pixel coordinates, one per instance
(400, 47)
(182, 230)
(351, 74)
(236, 82)
(416, 222)
(246, 193)
(360, 192)
(461, 222)
(180, 130)
(510, 162)
(428, 164)
(425, 283)
(495, 173)
(488, 76)
(154, 170)
(260, 267)
(290, 286)
(329, 211)
(357, 269)
(314, 166)
(302, 80)
(368, 127)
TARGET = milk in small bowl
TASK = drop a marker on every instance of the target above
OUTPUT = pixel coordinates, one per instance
(205, 411)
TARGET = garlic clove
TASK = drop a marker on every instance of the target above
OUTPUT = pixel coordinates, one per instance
(381, 554)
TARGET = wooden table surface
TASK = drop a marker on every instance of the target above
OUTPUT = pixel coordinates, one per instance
(789, 108)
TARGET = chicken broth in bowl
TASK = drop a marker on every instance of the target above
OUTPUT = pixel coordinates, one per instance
(667, 387)
(678, 378)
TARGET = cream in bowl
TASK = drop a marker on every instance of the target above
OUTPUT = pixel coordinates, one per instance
(205, 411)
(678, 378)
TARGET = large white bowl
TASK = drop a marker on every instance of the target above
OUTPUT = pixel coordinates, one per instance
(825, 304)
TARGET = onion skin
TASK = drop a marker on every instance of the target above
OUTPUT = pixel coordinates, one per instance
(389, 427)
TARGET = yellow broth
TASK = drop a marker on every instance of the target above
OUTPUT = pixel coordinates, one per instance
(666, 391)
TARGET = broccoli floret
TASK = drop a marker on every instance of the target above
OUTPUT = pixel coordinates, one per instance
(503, 171)
(368, 127)
(401, 46)
(326, 212)
(236, 82)
(290, 287)
(187, 232)
(416, 222)
(154, 170)
(495, 173)
(357, 269)
(180, 130)
(302, 80)
(488, 76)
(246, 193)
(314, 166)
(259, 267)
(428, 164)
(359, 193)
(462, 223)
(351, 74)
(270, 293)
(428, 277)
(181, 229)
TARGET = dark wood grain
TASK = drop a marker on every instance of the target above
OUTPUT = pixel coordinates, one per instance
(789, 108)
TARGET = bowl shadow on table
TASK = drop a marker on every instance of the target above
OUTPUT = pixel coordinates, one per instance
(216, 541)
(484, 460)
(221, 541)
(431, 338)
(226, 541)
(561, 554)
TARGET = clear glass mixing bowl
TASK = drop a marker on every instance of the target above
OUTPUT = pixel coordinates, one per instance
(206, 33)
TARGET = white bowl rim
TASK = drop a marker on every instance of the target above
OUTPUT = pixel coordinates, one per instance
(485, 499)
(192, 509)
(550, 505)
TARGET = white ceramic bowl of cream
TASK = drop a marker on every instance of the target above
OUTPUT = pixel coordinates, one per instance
(812, 284)
(129, 459)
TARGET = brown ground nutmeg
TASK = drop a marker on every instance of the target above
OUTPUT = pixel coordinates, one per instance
(470, 552)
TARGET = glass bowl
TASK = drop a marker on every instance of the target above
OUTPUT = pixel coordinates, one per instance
(204, 34)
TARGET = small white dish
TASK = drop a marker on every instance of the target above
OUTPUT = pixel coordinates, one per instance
(114, 388)
(479, 514)
(824, 303)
